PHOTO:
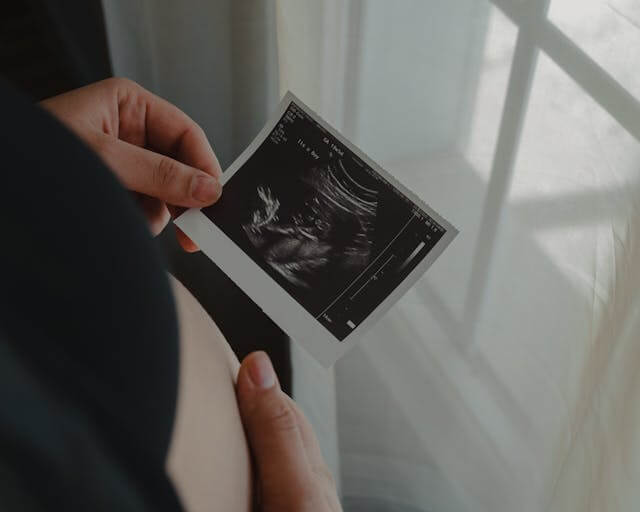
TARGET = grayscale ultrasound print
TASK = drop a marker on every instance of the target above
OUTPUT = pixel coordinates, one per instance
(324, 225)
(332, 229)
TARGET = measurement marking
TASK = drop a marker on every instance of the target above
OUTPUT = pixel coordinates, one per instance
(373, 276)
(413, 216)
(411, 256)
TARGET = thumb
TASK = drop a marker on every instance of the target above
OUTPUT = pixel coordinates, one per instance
(159, 176)
(284, 473)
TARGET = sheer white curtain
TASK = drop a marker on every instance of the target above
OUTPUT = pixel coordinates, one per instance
(509, 377)
(217, 59)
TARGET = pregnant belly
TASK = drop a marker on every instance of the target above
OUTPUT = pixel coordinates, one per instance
(209, 458)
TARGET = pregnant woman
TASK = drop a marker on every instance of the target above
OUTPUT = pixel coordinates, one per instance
(117, 391)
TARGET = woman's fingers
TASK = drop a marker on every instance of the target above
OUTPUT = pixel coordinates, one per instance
(292, 475)
(159, 176)
(148, 120)
(284, 473)
(185, 242)
(151, 145)
(311, 445)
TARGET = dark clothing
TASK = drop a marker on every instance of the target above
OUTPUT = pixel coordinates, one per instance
(50, 46)
(88, 330)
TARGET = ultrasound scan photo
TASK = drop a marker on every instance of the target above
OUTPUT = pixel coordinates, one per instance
(324, 225)
(318, 235)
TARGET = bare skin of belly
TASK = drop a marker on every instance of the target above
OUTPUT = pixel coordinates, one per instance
(208, 460)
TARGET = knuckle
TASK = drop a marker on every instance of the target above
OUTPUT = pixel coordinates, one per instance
(120, 82)
(114, 84)
(200, 132)
(122, 87)
(278, 414)
(195, 132)
(165, 173)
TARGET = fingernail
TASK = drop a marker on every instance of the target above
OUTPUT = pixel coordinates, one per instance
(261, 371)
(206, 189)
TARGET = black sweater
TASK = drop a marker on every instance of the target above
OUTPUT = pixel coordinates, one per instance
(88, 330)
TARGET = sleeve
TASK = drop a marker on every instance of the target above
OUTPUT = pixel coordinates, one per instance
(87, 311)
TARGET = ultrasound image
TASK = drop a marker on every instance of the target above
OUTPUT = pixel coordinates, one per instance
(327, 228)
(333, 227)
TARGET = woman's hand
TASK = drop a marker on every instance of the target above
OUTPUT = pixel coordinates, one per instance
(290, 470)
(154, 148)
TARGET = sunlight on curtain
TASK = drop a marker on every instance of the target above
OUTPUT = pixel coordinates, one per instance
(485, 387)
(609, 32)
(583, 213)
